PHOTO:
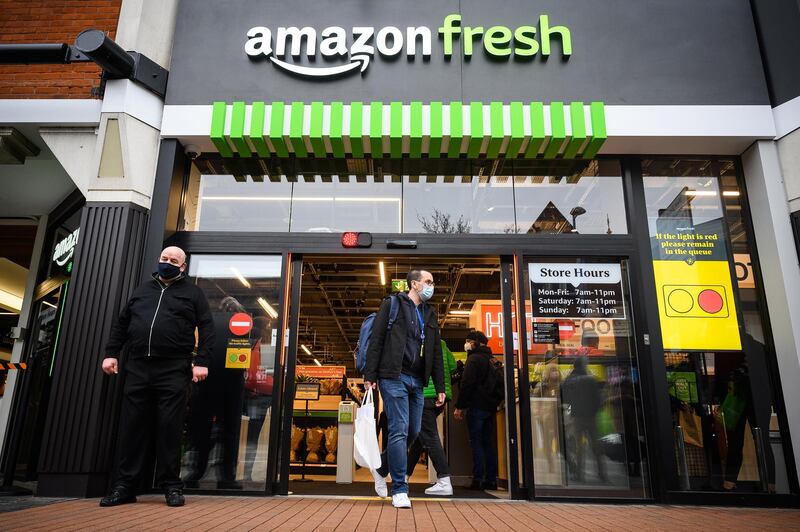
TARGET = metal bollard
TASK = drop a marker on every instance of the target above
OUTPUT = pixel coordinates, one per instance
(683, 466)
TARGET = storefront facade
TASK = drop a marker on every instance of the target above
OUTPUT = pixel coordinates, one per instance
(609, 171)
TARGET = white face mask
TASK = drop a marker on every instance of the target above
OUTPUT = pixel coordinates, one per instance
(467, 346)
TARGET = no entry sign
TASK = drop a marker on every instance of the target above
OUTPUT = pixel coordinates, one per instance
(240, 324)
(566, 328)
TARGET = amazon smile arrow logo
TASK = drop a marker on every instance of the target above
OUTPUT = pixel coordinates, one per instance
(391, 41)
(356, 61)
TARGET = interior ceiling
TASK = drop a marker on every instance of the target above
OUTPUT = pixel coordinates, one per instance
(338, 293)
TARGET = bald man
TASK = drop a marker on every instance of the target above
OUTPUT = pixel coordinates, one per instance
(158, 327)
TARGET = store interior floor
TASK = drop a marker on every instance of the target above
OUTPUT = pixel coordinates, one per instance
(337, 293)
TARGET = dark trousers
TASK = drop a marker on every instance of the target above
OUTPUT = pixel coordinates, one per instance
(154, 397)
(428, 439)
(587, 426)
(220, 397)
(481, 438)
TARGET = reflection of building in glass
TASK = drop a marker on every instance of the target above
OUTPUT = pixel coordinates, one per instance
(551, 220)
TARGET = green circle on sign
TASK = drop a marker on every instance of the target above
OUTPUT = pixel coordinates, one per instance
(233, 358)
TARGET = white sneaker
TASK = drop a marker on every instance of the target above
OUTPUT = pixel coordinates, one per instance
(400, 500)
(380, 485)
(443, 487)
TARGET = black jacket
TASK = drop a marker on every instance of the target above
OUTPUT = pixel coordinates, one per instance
(473, 392)
(385, 354)
(159, 320)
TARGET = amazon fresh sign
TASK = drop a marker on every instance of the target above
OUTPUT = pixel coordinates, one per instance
(358, 46)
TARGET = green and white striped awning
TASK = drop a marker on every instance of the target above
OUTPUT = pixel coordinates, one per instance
(436, 129)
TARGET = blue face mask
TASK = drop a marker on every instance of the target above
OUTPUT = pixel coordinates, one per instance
(426, 293)
(168, 271)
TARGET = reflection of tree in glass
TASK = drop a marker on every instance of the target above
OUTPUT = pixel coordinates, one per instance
(510, 229)
(441, 223)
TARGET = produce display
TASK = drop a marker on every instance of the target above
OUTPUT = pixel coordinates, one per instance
(331, 439)
(313, 443)
(297, 438)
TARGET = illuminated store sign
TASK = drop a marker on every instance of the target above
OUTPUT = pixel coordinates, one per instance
(360, 46)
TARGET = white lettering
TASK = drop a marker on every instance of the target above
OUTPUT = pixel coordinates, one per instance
(411, 40)
(361, 45)
(334, 42)
(382, 41)
(259, 42)
(296, 35)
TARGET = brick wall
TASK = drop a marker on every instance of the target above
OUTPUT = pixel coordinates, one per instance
(52, 21)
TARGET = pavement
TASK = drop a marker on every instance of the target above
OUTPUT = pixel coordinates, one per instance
(362, 514)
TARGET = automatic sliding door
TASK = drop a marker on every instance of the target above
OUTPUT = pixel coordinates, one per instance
(585, 403)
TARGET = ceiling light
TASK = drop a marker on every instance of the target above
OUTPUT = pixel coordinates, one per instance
(383, 272)
(267, 307)
(241, 278)
(317, 362)
(460, 312)
(730, 193)
(304, 348)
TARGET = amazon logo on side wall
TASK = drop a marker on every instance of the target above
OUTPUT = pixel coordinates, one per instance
(359, 46)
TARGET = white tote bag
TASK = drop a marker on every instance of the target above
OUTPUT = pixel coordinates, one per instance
(365, 441)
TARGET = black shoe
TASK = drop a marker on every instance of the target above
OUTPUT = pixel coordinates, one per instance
(476, 485)
(117, 497)
(175, 498)
(228, 485)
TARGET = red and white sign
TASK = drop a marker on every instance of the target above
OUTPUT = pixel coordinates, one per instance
(240, 324)
(566, 328)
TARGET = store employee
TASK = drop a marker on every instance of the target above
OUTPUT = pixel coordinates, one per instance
(158, 326)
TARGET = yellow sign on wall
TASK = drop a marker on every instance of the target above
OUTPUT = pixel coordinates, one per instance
(696, 305)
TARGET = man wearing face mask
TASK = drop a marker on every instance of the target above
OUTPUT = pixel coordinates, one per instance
(401, 361)
(475, 398)
(158, 327)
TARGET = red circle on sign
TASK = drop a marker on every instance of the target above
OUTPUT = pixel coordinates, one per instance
(240, 324)
(565, 329)
(242, 358)
(710, 301)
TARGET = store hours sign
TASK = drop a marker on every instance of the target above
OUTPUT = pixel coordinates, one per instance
(353, 49)
(576, 291)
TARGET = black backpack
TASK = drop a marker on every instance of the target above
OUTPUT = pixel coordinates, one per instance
(495, 387)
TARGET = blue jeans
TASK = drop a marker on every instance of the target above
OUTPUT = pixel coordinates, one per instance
(480, 424)
(403, 402)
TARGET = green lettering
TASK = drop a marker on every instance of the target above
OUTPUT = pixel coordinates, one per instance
(496, 41)
(448, 30)
(545, 31)
(469, 34)
(525, 36)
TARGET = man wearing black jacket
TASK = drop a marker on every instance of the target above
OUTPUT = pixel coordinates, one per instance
(401, 361)
(158, 326)
(475, 396)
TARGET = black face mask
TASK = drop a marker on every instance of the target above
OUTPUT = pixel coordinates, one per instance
(168, 271)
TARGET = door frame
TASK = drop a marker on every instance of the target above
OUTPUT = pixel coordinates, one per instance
(295, 289)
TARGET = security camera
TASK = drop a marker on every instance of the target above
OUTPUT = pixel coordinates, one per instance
(192, 151)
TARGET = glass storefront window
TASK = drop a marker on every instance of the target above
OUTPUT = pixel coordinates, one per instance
(725, 428)
(589, 202)
(345, 203)
(586, 415)
(456, 197)
(227, 428)
(458, 204)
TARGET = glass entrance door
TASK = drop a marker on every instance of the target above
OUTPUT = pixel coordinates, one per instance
(587, 429)
(331, 296)
(35, 392)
